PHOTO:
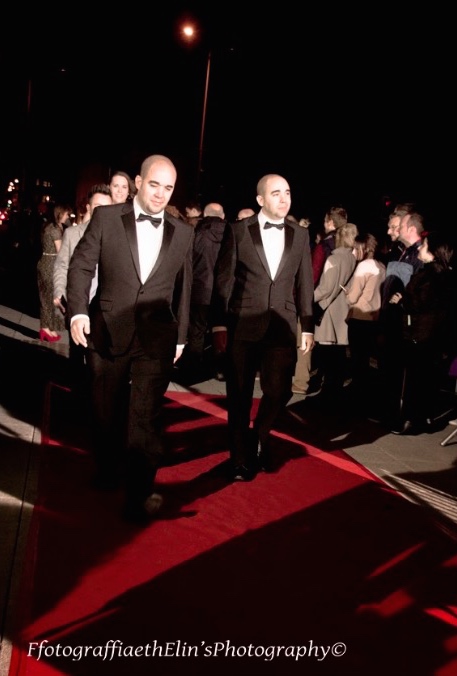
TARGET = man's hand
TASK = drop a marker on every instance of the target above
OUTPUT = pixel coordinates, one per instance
(220, 341)
(307, 342)
(80, 328)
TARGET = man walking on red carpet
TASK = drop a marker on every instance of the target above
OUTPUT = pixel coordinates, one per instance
(263, 283)
(137, 328)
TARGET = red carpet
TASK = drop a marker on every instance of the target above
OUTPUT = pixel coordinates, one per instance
(316, 569)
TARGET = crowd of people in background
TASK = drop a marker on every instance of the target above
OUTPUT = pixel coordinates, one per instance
(383, 299)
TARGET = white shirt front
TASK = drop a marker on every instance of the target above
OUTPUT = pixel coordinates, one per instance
(273, 243)
(149, 240)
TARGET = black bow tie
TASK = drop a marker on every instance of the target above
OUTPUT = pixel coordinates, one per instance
(267, 225)
(147, 217)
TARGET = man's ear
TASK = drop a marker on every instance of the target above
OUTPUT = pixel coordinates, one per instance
(259, 199)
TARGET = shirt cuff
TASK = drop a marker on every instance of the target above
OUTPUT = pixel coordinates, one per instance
(78, 317)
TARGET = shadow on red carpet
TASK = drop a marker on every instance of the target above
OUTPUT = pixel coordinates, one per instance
(319, 568)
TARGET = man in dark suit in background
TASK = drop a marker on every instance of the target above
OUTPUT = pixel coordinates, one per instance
(208, 237)
(134, 328)
(263, 283)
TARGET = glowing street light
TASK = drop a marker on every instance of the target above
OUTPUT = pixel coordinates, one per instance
(188, 31)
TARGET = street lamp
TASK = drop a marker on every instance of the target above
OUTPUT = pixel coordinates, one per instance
(190, 35)
(202, 131)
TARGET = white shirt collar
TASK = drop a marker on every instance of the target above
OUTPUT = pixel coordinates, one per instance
(263, 219)
(139, 210)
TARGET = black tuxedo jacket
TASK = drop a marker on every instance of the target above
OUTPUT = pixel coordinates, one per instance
(157, 310)
(247, 300)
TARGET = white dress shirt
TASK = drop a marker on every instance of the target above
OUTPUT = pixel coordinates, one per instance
(273, 243)
(149, 240)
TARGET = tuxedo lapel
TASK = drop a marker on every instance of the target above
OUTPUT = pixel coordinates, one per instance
(254, 230)
(168, 231)
(130, 231)
(288, 240)
(257, 240)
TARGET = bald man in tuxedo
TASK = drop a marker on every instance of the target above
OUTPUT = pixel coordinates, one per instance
(134, 328)
(263, 284)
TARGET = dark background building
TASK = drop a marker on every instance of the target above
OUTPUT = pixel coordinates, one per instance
(352, 107)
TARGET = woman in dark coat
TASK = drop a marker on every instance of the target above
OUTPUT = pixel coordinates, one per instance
(428, 317)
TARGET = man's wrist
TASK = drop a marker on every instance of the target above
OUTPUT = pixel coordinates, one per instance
(75, 317)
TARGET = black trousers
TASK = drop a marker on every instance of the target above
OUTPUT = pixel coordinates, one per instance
(421, 387)
(78, 371)
(128, 394)
(390, 348)
(276, 366)
(333, 366)
(198, 328)
(362, 339)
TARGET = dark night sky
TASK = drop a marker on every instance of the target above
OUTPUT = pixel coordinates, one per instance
(349, 106)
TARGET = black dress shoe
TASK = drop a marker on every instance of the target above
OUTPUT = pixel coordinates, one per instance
(431, 426)
(315, 385)
(405, 428)
(142, 513)
(243, 473)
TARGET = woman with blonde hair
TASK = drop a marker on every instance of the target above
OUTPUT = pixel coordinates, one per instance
(364, 301)
(331, 331)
